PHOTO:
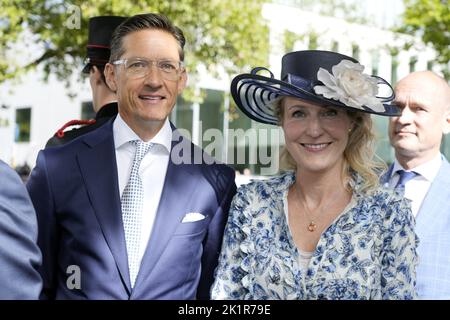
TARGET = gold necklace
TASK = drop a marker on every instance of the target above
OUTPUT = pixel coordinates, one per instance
(312, 226)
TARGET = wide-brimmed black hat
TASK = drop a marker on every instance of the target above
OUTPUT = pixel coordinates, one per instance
(101, 29)
(322, 77)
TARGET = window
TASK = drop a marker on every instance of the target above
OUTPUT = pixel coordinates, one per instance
(355, 51)
(335, 46)
(23, 125)
(238, 146)
(394, 67)
(211, 117)
(445, 145)
(183, 114)
(4, 122)
(412, 64)
(211, 110)
(313, 39)
(87, 110)
(383, 146)
(375, 62)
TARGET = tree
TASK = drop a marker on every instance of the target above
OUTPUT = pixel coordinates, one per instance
(430, 19)
(220, 33)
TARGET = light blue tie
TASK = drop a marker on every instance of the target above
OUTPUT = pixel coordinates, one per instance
(405, 176)
(132, 204)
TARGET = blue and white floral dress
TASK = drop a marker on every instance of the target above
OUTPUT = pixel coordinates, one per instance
(368, 252)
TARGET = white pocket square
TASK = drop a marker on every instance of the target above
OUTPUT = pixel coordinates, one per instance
(192, 217)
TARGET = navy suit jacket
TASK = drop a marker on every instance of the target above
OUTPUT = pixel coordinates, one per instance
(75, 191)
(19, 254)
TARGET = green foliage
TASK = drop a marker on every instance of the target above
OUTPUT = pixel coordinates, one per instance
(430, 19)
(220, 33)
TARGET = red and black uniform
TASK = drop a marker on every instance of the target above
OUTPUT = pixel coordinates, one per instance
(103, 115)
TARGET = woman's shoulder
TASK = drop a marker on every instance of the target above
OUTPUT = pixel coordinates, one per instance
(391, 203)
(377, 195)
(386, 195)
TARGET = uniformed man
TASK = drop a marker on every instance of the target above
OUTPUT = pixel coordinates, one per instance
(103, 98)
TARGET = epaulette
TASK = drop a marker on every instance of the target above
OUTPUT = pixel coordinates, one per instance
(60, 132)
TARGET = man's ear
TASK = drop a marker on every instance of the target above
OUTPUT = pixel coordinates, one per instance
(182, 82)
(446, 128)
(110, 77)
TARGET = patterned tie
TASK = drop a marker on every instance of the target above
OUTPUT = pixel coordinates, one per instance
(132, 204)
(405, 176)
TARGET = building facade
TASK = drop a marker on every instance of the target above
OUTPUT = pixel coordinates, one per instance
(32, 111)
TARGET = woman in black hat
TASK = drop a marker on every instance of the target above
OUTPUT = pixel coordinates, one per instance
(325, 229)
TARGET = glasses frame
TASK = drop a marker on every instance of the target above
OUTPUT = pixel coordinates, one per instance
(166, 75)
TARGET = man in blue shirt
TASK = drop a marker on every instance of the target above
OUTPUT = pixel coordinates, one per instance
(416, 136)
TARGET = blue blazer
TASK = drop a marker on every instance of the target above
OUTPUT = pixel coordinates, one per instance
(433, 230)
(75, 191)
(20, 257)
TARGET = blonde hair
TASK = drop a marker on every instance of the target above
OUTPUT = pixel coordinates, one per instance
(359, 154)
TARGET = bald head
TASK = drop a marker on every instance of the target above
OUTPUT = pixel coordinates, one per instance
(416, 134)
(425, 87)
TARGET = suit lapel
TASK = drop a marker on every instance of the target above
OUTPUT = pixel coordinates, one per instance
(428, 218)
(386, 177)
(99, 169)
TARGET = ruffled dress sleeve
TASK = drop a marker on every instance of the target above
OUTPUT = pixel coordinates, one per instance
(399, 260)
(231, 272)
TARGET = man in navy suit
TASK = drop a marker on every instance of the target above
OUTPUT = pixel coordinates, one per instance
(423, 174)
(126, 211)
(20, 257)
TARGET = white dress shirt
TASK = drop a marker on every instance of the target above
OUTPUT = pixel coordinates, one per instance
(152, 170)
(417, 188)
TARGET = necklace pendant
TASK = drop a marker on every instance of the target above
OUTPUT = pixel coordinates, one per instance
(312, 226)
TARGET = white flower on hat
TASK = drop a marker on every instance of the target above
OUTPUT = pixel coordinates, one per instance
(349, 85)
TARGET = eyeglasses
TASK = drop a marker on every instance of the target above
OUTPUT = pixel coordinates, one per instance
(138, 67)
